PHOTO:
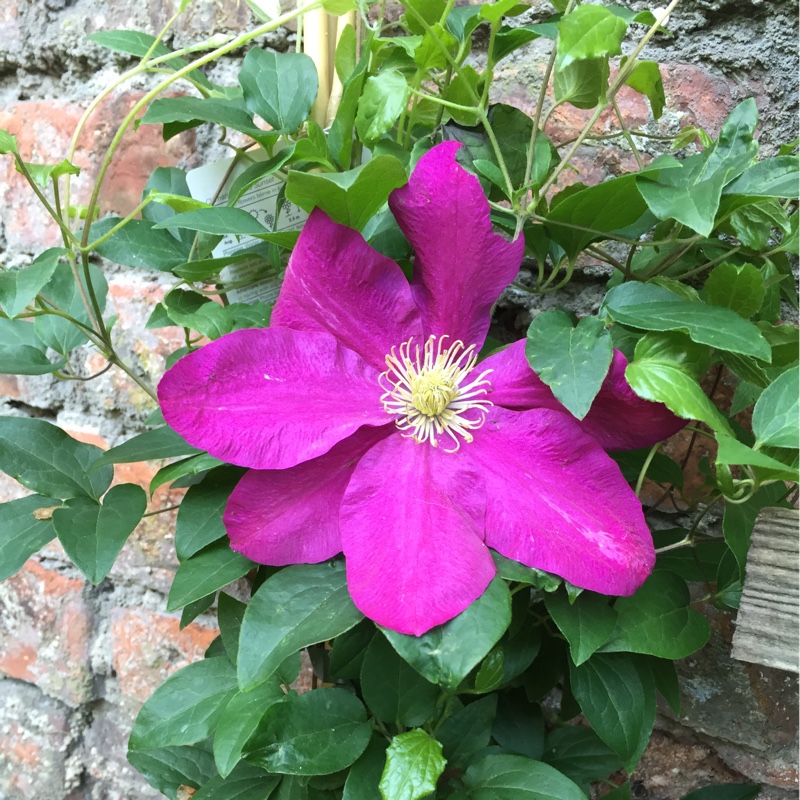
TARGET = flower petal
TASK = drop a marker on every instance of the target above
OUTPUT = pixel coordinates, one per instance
(618, 418)
(555, 501)
(270, 398)
(514, 383)
(291, 516)
(412, 531)
(461, 266)
(621, 420)
(336, 282)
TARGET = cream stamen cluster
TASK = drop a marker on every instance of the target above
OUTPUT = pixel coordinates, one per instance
(429, 391)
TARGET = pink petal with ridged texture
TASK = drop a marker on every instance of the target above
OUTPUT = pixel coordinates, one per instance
(412, 532)
(336, 282)
(555, 501)
(291, 516)
(621, 420)
(514, 384)
(618, 418)
(461, 266)
(270, 398)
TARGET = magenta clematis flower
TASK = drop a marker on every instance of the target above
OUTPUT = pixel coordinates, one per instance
(370, 428)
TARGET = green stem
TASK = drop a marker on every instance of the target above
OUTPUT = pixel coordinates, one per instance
(66, 233)
(643, 472)
(623, 74)
(121, 224)
(239, 41)
(627, 134)
(537, 119)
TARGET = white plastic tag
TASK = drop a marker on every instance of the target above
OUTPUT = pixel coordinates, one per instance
(211, 183)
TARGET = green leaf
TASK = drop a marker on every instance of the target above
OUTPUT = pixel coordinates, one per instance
(735, 149)
(687, 194)
(726, 791)
(611, 207)
(42, 174)
(161, 442)
(168, 768)
(666, 679)
(658, 620)
(384, 99)
(244, 783)
(512, 777)
(447, 653)
(139, 244)
(349, 649)
(239, 721)
(279, 87)
(738, 520)
(668, 384)
(653, 308)
(519, 725)
(579, 753)
(365, 775)
(92, 534)
(351, 197)
(8, 143)
(316, 733)
(589, 32)
(218, 220)
(21, 351)
(46, 460)
(193, 610)
(509, 39)
(583, 84)
(618, 699)
(394, 691)
(300, 605)
(772, 177)
(731, 451)
(213, 568)
(21, 533)
(18, 287)
(775, 416)
(490, 675)
(194, 465)
(187, 707)
(753, 224)
(587, 623)
(514, 571)
(572, 360)
(646, 79)
(738, 287)
(661, 469)
(191, 111)
(199, 521)
(56, 332)
(414, 763)
(467, 731)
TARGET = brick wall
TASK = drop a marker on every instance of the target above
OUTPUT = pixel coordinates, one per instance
(77, 661)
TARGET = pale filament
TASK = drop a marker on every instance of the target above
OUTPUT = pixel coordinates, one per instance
(429, 390)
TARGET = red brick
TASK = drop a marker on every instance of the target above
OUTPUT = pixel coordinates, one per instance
(35, 734)
(704, 99)
(148, 647)
(44, 129)
(45, 638)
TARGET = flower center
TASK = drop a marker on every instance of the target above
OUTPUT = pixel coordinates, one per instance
(431, 392)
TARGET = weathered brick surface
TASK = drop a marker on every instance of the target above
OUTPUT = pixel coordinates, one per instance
(148, 647)
(80, 661)
(44, 130)
(36, 735)
(45, 636)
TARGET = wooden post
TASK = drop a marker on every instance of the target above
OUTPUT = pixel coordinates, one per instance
(768, 623)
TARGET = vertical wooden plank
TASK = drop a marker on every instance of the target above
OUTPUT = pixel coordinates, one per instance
(768, 623)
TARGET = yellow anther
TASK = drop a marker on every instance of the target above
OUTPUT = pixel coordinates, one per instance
(433, 392)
